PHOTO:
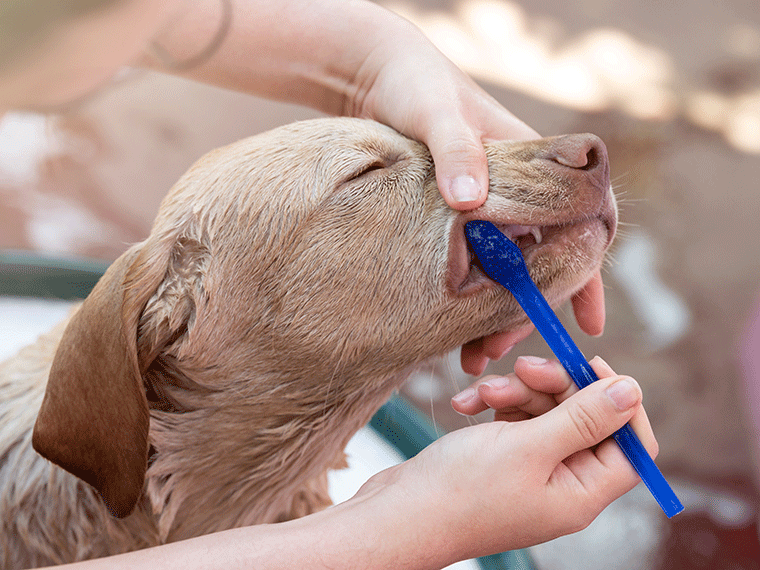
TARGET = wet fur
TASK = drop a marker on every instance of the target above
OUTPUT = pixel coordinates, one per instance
(290, 283)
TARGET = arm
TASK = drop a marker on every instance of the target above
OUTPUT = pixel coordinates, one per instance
(350, 57)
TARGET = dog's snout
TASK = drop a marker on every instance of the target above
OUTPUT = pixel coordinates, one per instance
(584, 152)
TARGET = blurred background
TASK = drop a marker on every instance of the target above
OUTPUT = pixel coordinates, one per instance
(674, 91)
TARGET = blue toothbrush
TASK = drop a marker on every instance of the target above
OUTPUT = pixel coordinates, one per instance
(503, 262)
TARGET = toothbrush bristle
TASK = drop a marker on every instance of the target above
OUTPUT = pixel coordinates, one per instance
(499, 256)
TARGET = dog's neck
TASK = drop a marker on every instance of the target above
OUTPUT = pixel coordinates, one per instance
(249, 459)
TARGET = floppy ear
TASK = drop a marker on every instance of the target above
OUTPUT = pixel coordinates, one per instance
(94, 417)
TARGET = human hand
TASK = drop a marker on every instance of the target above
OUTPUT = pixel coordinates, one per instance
(546, 471)
(407, 83)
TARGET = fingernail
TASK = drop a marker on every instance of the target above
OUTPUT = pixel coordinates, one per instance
(464, 396)
(600, 360)
(533, 360)
(465, 189)
(497, 383)
(624, 393)
(504, 352)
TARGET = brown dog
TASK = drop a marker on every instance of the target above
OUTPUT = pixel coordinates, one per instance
(291, 282)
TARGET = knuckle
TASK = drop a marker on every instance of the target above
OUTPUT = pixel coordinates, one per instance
(579, 518)
(587, 422)
(455, 138)
(581, 522)
(467, 144)
(588, 516)
(463, 152)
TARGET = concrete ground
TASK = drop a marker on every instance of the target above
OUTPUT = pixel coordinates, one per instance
(674, 91)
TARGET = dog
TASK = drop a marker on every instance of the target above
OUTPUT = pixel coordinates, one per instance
(290, 283)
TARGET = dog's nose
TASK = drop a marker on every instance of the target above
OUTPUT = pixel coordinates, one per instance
(585, 152)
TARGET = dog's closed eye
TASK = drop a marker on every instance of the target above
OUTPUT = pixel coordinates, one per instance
(368, 168)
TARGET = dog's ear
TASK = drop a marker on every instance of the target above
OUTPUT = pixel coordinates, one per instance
(94, 417)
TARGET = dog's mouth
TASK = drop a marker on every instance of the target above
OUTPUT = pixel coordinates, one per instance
(465, 275)
(527, 239)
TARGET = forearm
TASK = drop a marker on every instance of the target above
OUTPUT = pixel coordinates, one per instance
(304, 52)
(369, 532)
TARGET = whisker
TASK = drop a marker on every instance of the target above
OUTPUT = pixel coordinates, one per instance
(432, 404)
(610, 261)
(470, 420)
(624, 234)
(620, 177)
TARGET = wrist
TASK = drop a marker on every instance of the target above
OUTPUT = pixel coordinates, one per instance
(382, 527)
(386, 48)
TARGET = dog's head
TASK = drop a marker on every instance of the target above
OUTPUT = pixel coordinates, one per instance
(320, 251)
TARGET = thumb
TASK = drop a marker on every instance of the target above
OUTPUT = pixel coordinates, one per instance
(589, 416)
(461, 167)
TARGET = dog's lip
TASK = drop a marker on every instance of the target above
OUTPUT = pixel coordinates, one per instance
(465, 278)
(464, 275)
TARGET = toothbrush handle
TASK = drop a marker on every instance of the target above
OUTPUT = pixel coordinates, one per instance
(570, 356)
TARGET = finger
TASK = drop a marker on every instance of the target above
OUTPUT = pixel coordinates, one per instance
(605, 470)
(475, 355)
(472, 358)
(512, 399)
(468, 402)
(506, 393)
(496, 345)
(461, 167)
(600, 366)
(611, 454)
(639, 422)
(543, 375)
(589, 416)
(500, 124)
(588, 306)
(602, 369)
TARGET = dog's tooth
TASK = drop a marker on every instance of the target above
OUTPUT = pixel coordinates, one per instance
(536, 231)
